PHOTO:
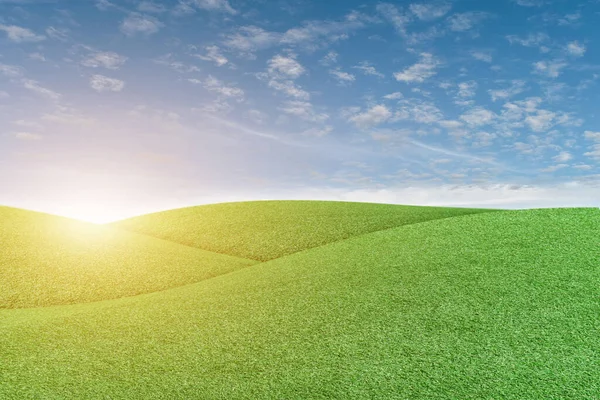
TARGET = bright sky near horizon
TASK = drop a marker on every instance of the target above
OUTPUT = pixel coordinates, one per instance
(112, 108)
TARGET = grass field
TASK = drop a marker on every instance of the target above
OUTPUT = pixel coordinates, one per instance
(47, 260)
(265, 230)
(493, 305)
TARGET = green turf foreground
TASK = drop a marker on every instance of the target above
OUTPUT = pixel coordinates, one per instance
(265, 230)
(501, 305)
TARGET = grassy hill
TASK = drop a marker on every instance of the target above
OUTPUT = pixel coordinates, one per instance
(494, 305)
(265, 230)
(48, 260)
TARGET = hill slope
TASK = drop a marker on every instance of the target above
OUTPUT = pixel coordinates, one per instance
(265, 230)
(497, 305)
(48, 260)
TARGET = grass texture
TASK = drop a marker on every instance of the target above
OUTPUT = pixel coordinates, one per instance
(47, 260)
(499, 305)
(265, 230)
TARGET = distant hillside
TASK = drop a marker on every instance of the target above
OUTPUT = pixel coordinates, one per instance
(265, 230)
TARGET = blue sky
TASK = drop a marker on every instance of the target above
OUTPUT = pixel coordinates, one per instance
(120, 107)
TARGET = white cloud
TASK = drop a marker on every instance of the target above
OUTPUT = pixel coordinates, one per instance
(150, 7)
(418, 111)
(329, 59)
(562, 157)
(569, 19)
(27, 124)
(214, 85)
(419, 72)
(368, 69)
(594, 152)
(101, 83)
(108, 59)
(288, 67)
(478, 116)
(28, 136)
(516, 87)
(303, 110)
(34, 86)
(249, 39)
(57, 33)
(554, 168)
(318, 132)
(341, 76)
(37, 56)
(376, 115)
(314, 34)
(450, 124)
(212, 5)
(257, 116)
(68, 116)
(4, 95)
(462, 22)
(397, 18)
(428, 12)
(483, 139)
(529, 3)
(393, 96)
(138, 23)
(19, 34)
(541, 121)
(481, 56)
(532, 40)
(467, 89)
(289, 88)
(178, 66)
(10, 71)
(590, 135)
(576, 49)
(551, 69)
(213, 54)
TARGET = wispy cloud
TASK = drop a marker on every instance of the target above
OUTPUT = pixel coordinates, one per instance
(374, 116)
(101, 83)
(425, 68)
(482, 56)
(551, 69)
(342, 77)
(34, 86)
(428, 12)
(213, 53)
(214, 85)
(303, 110)
(462, 22)
(368, 69)
(19, 34)
(576, 49)
(107, 59)
(140, 24)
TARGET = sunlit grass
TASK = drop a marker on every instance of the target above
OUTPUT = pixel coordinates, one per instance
(498, 305)
(47, 260)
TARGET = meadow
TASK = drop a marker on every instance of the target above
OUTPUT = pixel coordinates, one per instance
(302, 300)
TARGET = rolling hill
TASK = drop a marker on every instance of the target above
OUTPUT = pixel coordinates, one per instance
(489, 305)
(265, 230)
(47, 260)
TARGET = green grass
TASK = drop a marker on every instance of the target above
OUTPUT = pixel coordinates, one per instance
(265, 230)
(47, 260)
(499, 305)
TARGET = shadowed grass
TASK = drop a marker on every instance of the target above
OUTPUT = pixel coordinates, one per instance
(48, 260)
(265, 230)
(497, 305)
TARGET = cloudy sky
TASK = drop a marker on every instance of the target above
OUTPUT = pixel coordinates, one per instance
(111, 108)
